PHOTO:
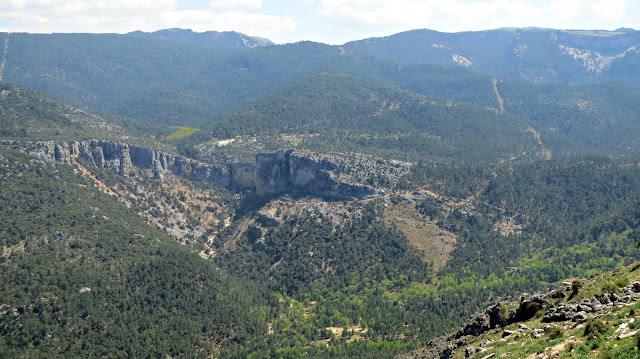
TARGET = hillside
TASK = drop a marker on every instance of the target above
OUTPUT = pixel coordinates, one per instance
(84, 275)
(394, 252)
(180, 82)
(315, 200)
(589, 318)
(533, 54)
(335, 111)
(27, 114)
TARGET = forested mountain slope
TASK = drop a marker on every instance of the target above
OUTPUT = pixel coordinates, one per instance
(119, 243)
(84, 275)
(158, 81)
(227, 40)
(534, 54)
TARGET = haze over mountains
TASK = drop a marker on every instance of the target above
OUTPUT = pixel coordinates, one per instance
(328, 201)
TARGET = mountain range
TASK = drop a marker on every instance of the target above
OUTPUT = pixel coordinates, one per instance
(212, 194)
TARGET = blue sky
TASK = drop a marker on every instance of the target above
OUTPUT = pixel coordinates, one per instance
(328, 21)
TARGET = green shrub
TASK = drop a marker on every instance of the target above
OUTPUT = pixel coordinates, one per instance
(609, 288)
(606, 354)
(555, 333)
(593, 344)
(594, 328)
(575, 287)
(503, 313)
(583, 349)
(622, 282)
(570, 347)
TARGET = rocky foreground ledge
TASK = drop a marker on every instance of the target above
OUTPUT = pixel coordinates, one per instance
(336, 176)
(551, 325)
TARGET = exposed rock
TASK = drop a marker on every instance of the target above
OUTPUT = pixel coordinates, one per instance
(628, 335)
(158, 170)
(507, 333)
(290, 171)
(125, 162)
(243, 176)
(529, 307)
(469, 352)
(557, 294)
(61, 153)
(142, 157)
(331, 176)
(537, 333)
(477, 324)
(579, 317)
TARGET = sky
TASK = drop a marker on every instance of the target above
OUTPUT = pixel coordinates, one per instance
(328, 21)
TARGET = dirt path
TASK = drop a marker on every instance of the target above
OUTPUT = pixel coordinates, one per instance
(500, 99)
(103, 187)
(4, 56)
(546, 153)
(246, 221)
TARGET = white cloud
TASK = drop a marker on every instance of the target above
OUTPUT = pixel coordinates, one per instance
(457, 15)
(611, 10)
(236, 5)
(253, 24)
(127, 15)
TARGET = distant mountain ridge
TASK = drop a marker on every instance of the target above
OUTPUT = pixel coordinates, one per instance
(226, 40)
(534, 54)
(309, 88)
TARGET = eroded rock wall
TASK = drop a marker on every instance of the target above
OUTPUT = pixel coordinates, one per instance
(272, 174)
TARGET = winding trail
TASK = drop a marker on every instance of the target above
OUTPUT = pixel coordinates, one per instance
(500, 99)
(4, 56)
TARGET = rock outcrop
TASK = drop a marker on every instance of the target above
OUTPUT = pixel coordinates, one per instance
(293, 172)
(334, 176)
(491, 321)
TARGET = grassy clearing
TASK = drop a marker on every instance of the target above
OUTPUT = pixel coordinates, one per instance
(182, 132)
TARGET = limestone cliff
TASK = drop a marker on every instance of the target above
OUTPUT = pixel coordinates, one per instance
(333, 176)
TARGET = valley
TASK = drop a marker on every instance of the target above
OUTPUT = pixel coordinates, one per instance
(188, 194)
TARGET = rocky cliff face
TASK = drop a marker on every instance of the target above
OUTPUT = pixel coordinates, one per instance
(296, 172)
(272, 174)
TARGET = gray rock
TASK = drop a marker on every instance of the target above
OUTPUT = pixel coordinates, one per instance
(537, 333)
(469, 352)
(507, 333)
(243, 176)
(142, 157)
(579, 317)
(98, 156)
(61, 151)
(125, 162)
(331, 176)
(158, 171)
